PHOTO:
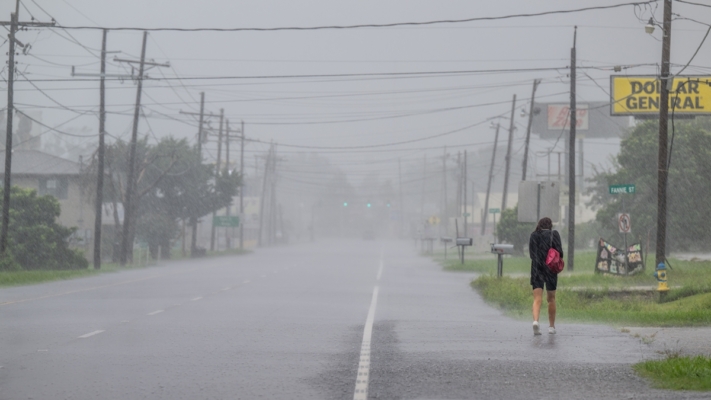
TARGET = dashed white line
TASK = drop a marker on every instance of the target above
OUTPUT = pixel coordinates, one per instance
(90, 334)
(196, 298)
(155, 312)
(264, 276)
(245, 282)
(225, 289)
(380, 270)
(361, 387)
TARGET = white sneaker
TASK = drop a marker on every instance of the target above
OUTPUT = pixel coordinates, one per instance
(551, 330)
(536, 328)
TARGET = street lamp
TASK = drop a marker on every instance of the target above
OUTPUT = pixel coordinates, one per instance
(649, 28)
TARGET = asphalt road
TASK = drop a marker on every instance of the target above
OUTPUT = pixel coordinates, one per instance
(330, 320)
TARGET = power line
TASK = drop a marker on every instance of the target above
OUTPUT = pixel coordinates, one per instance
(387, 25)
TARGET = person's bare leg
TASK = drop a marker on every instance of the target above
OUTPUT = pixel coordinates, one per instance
(537, 301)
(550, 294)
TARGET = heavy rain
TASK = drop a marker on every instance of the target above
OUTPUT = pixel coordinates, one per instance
(355, 200)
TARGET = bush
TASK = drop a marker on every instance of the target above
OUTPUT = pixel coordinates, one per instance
(35, 240)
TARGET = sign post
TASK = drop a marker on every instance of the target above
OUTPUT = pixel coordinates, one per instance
(624, 222)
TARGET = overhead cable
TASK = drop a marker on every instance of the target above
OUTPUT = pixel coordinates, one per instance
(386, 25)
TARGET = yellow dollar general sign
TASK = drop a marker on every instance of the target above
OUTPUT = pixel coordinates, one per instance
(639, 95)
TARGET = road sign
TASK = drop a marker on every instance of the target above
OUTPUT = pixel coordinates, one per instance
(434, 220)
(466, 214)
(225, 221)
(624, 222)
(494, 210)
(622, 189)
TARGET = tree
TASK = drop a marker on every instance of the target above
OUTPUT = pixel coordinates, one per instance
(689, 185)
(511, 231)
(171, 185)
(35, 240)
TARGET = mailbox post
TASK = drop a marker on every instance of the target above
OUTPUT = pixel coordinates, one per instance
(500, 250)
(445, 241)
(463, 242)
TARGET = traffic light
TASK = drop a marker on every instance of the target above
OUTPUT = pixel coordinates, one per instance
(388, 203)
(345, 204)
(369, 204)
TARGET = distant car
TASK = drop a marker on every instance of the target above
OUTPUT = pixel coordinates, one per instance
(369, 235)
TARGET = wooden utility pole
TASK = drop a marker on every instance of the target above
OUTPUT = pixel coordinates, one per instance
(7, 178)
(100, 157)
(662, 174)
(241, 189)
(218, 170)
(528, 129)
(508, 156)
(424, 183)
(402, 205)
(128, 210)
(260, 242)
(194, 219)
(445, 213)
(571, 157)
(228, 211)
(488, 185)
(464, 193)
(131, 186)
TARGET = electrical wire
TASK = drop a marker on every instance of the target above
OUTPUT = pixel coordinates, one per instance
(387, 25)
(695, 4)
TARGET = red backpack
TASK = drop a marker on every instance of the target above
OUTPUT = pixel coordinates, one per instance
(553, 260)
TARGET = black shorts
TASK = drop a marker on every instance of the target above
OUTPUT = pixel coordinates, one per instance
(539, 277)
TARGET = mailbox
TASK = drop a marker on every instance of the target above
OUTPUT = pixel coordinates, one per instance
(464, 241)
(502, 248)
(446, 240)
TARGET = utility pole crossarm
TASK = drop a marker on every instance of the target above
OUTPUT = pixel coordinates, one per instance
(145, 63)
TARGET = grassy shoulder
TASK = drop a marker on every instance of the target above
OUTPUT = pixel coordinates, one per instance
(19, 278)
(589, 297)
(678, 373)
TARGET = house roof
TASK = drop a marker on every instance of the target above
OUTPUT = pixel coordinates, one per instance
(33, 162)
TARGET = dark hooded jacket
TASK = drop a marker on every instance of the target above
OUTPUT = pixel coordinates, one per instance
(538, 246)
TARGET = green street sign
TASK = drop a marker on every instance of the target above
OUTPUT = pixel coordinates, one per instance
(466, 214)
(225, 221)
(622, 189)
(494, 210)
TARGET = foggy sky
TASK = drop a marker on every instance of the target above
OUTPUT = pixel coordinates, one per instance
(300, 111)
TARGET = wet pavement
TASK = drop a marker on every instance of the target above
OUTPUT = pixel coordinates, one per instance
(311, 321)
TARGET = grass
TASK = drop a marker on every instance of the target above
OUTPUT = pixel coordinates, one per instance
(678, 373)
(19, 278)
(600, 297)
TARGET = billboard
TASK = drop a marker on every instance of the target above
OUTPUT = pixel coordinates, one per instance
(559, 117)
(639, 95)
(550, 120)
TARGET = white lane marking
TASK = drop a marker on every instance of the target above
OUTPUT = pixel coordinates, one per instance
(155, 312)
(225, 289)
(196, 298)
(264, 276)
(90, 334)
(125, 321)
(42, 350)
(380, 270)
(245, 282)
(361, 387)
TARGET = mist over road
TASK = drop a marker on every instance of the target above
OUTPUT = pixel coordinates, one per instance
(293, 323)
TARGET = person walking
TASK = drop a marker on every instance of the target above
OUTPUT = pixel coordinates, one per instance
(543, 239)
